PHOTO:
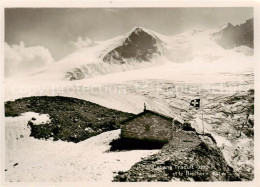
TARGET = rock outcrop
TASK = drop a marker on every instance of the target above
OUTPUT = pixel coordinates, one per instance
(72, 120)
(233, 36)
(188, 157)
(139, 46)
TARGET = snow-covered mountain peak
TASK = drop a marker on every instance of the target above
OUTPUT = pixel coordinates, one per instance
(138, 30)
(139, 46)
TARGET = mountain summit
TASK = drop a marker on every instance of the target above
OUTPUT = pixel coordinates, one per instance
(233, 36)
(138, 46)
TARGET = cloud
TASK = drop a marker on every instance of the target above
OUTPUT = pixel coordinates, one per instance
(82, 43)
(20, 59)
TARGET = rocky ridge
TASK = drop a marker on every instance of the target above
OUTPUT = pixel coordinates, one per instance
(233, 36)
(189, 156)
(72, 120)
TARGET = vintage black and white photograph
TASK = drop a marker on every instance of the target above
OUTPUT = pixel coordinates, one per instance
(128, 94)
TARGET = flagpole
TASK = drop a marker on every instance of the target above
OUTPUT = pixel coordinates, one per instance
(202, 114)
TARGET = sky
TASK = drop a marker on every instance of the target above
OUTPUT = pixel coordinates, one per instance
(57, 32)
(55, 28)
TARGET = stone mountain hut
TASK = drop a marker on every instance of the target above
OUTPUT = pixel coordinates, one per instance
(149, 126)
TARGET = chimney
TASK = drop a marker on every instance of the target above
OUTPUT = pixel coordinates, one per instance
(144, 107)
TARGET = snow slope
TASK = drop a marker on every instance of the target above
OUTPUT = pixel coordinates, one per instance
(49, 161)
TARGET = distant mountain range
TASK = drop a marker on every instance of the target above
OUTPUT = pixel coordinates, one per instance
(142, 48)
(233, 36)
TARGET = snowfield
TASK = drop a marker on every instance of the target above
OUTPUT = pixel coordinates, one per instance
(58, 161)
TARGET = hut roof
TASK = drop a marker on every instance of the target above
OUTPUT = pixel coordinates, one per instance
(145, 112)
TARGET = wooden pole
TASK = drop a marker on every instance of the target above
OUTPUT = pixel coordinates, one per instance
(202, 115)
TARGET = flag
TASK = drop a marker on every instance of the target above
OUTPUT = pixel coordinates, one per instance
(195, 103)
